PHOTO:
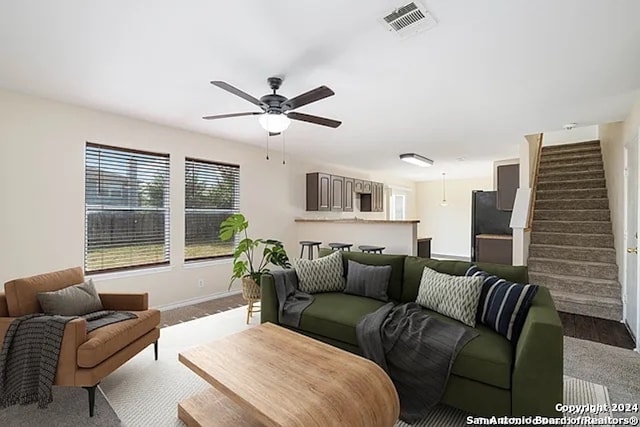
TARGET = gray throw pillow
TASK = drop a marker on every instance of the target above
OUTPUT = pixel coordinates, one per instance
(368, 280)
(321, 274)
(74, 300)
(454, 296)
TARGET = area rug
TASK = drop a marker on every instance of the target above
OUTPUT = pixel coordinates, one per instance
(70, 407)
(144, 392)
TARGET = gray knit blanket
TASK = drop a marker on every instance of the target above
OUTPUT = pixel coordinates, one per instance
(416, 350)
(30, 352)
(291, 301)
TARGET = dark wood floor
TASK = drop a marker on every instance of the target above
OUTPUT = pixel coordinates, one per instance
(583, 327)
(599, 330)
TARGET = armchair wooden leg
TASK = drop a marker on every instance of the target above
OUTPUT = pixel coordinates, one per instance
(92, 398)
(155, 349)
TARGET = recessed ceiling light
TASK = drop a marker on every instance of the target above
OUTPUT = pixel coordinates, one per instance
(416, 159)
(569, 126)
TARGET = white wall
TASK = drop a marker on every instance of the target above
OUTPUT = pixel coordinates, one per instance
(578, 134)
(42, 188)
(449, 226)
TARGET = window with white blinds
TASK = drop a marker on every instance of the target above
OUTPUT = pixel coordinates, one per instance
(212, 193)
(126, 209)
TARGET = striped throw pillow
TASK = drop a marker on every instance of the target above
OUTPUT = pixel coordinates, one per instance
(503, 304)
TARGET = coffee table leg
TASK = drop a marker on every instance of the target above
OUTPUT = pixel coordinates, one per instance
(211, 408)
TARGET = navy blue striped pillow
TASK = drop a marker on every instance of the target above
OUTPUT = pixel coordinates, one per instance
(503, 304)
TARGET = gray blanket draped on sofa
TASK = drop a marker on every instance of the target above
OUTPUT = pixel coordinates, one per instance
(416, 350)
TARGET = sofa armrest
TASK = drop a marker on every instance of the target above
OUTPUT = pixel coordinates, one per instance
(75, 333)
(268, 299)
(537, 383)
(134, 302)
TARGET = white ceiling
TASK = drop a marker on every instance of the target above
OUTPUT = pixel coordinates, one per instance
(490, 72)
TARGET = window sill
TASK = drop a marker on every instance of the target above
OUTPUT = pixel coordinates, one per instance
(207, 263)
(129, 273)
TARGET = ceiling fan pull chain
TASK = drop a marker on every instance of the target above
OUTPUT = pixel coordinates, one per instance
(267, 145)
(283, 162)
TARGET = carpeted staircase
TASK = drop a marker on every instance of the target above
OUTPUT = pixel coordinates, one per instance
(572, 251)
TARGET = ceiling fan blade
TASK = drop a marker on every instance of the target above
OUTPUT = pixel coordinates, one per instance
(234, 90)
(307, 98)
(226, 116)
(314, 119)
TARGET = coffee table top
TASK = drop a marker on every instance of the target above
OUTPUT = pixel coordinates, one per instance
(284, 378)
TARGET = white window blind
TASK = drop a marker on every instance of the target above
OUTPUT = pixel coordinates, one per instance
(212, 193)
(126, 208)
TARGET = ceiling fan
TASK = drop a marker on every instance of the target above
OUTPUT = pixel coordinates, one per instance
(277, 109)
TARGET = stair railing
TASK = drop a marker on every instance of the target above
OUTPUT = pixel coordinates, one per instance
(534, 185)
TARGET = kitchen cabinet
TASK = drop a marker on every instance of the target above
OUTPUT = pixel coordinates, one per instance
(374, 201)
(508, 182)
(337, 193)
(494, 248)
(366, 187)
(358, 186)
(318, 191)
(349, 193)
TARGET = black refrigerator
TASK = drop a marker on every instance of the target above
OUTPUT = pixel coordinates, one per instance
(486, 218)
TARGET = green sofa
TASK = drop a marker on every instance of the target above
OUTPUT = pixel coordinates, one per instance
(490, 376)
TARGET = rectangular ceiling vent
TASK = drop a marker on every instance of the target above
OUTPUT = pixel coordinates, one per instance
(409, 20)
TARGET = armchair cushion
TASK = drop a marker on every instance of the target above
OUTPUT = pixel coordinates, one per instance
(108, 340)
(22, 293)
(122, 301)
(73, 300)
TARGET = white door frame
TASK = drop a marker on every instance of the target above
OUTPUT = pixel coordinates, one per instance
(623, 247)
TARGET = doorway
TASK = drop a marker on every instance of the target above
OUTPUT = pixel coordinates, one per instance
(632, 218)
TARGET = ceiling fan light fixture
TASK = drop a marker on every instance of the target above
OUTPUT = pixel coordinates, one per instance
(275, 123)
(416, 159)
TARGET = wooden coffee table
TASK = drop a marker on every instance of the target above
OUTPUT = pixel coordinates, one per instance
(271, 376)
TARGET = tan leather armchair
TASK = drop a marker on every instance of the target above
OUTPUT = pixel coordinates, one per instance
(85, 358)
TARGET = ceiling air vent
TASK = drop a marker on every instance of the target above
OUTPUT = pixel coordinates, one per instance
(409, 20)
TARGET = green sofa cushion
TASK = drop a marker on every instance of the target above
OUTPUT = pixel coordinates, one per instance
(395, 261)
(335, 315)
(487, 358)
(413, 267)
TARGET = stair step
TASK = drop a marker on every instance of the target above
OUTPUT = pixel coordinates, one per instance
(569, 239)
(570, 204)
(571, 167)
(572, 215)
(573, 253)
(581, 227)
(571, 150)
(561, 175)
(561, 159)
(572, 146)
(589, 193)
(589, 269)
(605, 308)
(572, 184)
(577, 285)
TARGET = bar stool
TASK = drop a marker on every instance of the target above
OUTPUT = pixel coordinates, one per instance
(309, 244)
(340, 246)
(371, 249)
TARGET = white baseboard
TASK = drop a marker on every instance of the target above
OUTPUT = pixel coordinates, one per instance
(451, 257)
(196, 300)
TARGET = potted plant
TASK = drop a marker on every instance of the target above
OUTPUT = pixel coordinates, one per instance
(245, 263)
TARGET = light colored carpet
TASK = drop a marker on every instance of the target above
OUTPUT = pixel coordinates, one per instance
(144, 392)
(70, 407)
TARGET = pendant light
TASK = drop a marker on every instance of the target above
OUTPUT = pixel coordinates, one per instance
(444, 194)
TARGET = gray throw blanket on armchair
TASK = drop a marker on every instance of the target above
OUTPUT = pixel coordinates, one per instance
(30, 353)
(416, 350)
(291, 301)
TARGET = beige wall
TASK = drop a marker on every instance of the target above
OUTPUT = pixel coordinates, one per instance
(42, 187)
(449, 226)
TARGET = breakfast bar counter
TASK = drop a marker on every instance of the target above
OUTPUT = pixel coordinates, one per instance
(397, 236)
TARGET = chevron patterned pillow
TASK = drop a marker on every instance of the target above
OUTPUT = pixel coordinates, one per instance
(454, 296)
(321, 274)
(503, 304)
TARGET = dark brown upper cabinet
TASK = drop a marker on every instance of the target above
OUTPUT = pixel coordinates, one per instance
(508, 183)
(337, 193)
(318, 191)
(374, 201)
(358, 186)
(349, 193)
(366, 187)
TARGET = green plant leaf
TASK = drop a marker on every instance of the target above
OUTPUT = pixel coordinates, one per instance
(234, 224)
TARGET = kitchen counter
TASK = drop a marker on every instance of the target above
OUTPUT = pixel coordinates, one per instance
(494, 236)
(359, 220)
